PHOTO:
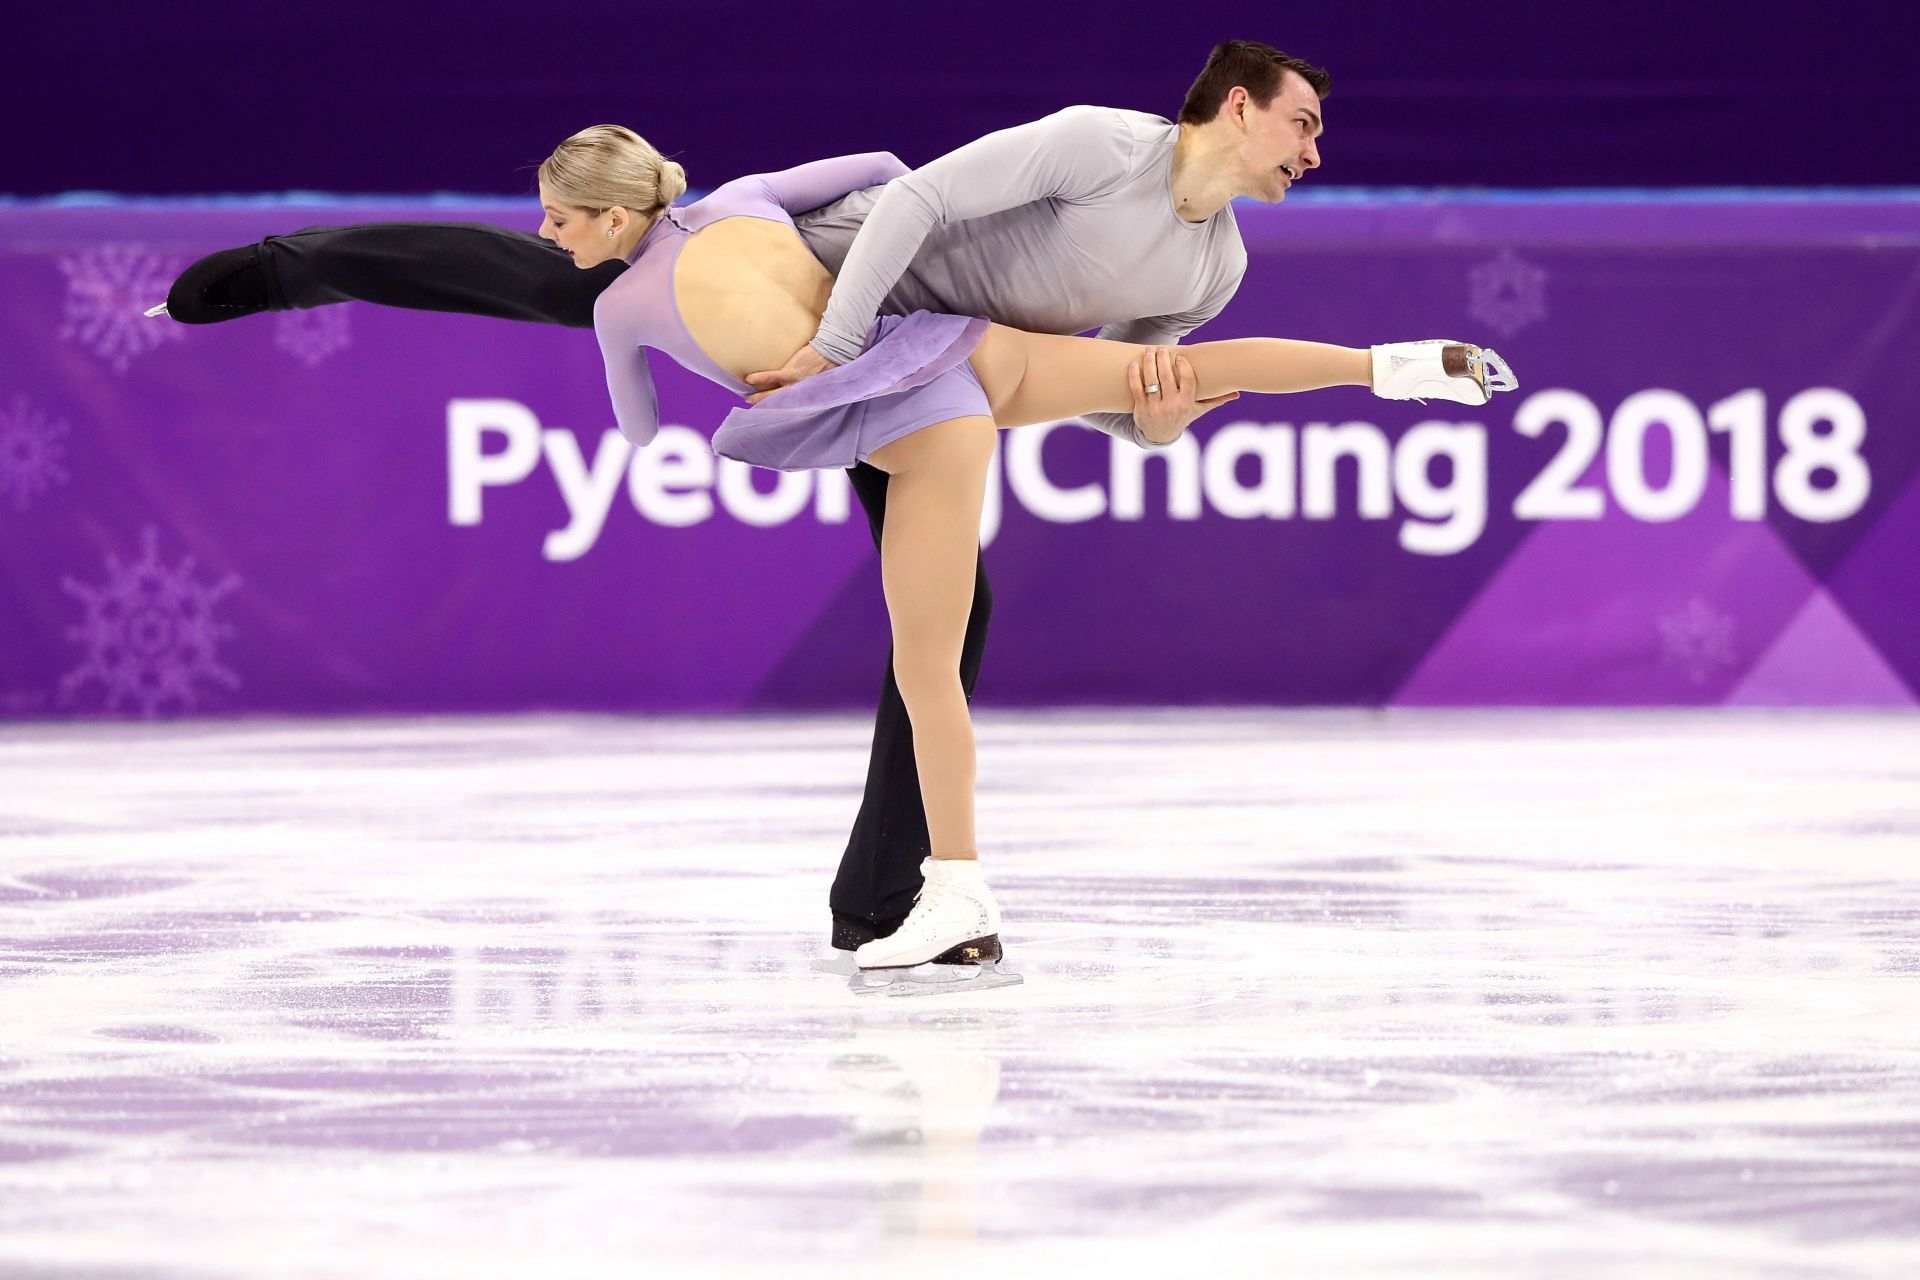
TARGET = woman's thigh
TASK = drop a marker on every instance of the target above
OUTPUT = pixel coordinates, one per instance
(1043, 377)
(931, 541)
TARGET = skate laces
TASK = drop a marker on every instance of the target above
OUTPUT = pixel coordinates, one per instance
(946, 897)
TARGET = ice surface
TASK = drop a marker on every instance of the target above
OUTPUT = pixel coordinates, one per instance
(1317, 994)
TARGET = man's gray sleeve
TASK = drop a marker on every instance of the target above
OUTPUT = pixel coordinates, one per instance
(1158, 331)
(1078, 153)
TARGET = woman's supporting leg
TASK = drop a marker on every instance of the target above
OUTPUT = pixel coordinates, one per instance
(880, 870)
(927, 555)
(1042, 377)
(928, 551)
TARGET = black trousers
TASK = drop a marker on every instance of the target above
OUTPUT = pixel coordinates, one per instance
(476, 269)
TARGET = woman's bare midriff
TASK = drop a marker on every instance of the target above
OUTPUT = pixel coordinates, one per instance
(749, 293)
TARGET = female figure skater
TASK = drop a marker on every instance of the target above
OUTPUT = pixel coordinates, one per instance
(726, 287)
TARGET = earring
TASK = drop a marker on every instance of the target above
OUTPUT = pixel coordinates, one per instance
(609, 233)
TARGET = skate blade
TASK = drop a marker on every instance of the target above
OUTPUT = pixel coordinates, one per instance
(1495, 373)
(837, 962)
(160, 310)
(932, 979)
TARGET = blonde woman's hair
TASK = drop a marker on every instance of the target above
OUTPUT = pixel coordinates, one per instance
(610, 165)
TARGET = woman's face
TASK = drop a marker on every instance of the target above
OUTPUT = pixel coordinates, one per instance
(583, 236)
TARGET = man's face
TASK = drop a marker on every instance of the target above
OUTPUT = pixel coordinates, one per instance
(1280, 140)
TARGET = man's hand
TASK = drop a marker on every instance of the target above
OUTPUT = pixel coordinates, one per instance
(802, 364)
(1163, 385)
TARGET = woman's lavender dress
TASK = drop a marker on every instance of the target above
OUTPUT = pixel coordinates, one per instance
(912, 374)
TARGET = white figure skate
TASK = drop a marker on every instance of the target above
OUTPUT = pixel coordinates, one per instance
(1439, 369)
(950, 941)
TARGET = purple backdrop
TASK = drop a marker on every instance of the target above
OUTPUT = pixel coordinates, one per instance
(1705, 492)
(367, 95)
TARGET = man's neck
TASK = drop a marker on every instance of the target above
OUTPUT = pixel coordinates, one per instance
(1202, 183)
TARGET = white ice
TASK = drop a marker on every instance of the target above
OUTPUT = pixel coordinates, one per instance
(1308, 993)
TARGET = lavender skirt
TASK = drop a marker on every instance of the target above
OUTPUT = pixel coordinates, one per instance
(912, 374)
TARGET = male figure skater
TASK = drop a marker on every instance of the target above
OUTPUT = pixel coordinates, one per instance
(1090, 218)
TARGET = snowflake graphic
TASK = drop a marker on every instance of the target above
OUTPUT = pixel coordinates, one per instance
(108, 292)
(1508, 293)
(1698, 639)
(149, 633)
(31, 455)
(312, 336)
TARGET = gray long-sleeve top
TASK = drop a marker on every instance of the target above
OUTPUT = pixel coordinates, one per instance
(1059, 226)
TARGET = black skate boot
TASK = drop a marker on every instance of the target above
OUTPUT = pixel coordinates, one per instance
(221, 286)
(849, 934)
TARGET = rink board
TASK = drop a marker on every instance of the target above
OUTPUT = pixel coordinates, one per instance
(1703, 494)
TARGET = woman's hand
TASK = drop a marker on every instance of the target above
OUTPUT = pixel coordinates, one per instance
(1164, 389)
(801, 365)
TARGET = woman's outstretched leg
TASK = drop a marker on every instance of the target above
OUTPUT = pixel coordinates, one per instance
(1040, 377)
(928, 550)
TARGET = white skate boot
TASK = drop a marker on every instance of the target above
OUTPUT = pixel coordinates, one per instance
(949, 941)
(1439, 369)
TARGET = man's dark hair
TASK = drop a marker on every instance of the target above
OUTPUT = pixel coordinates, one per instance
(1257, 68)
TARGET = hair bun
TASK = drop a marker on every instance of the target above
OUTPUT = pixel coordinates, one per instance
(673, 182)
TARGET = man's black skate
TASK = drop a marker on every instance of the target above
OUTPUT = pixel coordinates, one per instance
(221, 286)
(849, 934)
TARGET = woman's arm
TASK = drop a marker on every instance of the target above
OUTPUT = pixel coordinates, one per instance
(819, 183)
(636, 405)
